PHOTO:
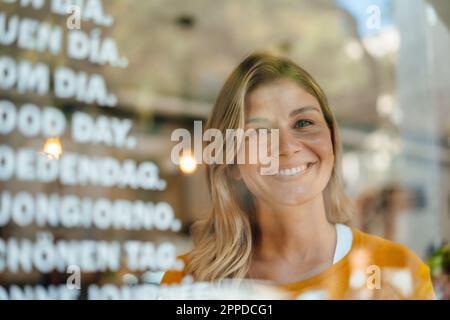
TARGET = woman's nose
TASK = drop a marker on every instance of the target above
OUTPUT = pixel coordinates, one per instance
(288, 144)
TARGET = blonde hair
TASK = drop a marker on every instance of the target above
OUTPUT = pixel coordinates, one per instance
(223, 242)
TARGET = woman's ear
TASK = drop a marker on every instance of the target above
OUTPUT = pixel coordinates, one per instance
(235, 173)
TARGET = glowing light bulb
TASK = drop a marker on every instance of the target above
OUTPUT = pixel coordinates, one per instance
(188, 164)
(53, 148)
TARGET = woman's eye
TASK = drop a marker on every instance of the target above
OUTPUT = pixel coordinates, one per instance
(303, 123)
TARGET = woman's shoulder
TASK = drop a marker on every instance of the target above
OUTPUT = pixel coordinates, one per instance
(386, 251)
(176, 276)
(398, 264)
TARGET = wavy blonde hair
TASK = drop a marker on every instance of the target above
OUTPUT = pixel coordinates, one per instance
(224, 241)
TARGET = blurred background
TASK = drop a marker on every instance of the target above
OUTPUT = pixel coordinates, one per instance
(384, 65)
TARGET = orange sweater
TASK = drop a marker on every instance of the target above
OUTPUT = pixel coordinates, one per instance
(374, 268)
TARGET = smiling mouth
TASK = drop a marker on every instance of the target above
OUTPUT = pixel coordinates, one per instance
(295, 170)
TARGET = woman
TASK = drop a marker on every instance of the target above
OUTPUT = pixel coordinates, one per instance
(291, 228)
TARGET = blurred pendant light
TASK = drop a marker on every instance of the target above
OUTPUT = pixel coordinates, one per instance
(53, 148)
(187, 163)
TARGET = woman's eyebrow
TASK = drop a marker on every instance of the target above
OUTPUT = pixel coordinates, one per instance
(256, 120)
(291, 114)
(302, 110)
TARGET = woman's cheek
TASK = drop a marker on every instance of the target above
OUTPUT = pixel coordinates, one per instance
(252, 178)
(321, 144)
(248, 172)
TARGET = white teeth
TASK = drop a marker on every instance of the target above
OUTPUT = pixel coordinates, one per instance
(292, 171)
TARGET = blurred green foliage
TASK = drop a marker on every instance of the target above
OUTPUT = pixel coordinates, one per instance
(439, 261)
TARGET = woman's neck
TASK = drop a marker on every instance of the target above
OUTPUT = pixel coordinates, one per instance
(294, 233)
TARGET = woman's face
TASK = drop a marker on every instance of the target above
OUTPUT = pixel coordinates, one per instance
(306, 157)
